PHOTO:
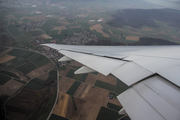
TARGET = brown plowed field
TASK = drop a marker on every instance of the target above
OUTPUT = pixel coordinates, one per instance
(115, 101)
(85, 110)
(44, 76)
(10, 87)
(107, 79)
(35, 73)
(97, 95)
(60, 28)
(82, 91)
(134, 38)
(91, 79)
(61, 107)
(65, 84)
(75, 64)
(64, 72)
(47, 67)
(99, 28)
(6, 58)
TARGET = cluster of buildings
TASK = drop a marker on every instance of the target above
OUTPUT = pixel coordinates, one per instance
(80, 38)
(51, 53)
(30, 25)
(76, 39)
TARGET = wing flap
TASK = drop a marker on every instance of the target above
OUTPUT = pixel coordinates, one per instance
(172, 74)
(100, 64)
(131, 73)
(152, 100)
(136, 107)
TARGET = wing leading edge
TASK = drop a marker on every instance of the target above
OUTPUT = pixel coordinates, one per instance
(136, 67)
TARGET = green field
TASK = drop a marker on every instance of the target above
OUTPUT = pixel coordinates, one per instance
(38, 81)
(52, 22)
(70, 74)
(53, 32)
(27, 34)
(77, 30)
(46, 29)
(53, 75)
(114, 107)
(39, 59)
(15, 62)
(2, 49)
(27, 54)
(104, 85)
(108, 114)
(49, 104)
(14, 32)
(23, 39)
(8, 74)
(67, 32)
(106, 31)
(114, 39)
(73, 88)
(80, 77)
(26, 68)
(120, 87)
(27, 20)
(17, 52)
(36, 33)
(4, 79)
(34, 86)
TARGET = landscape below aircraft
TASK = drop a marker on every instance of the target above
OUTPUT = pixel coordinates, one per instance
(152, 72)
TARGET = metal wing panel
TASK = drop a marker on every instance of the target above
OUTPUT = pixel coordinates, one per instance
(172, 74)
(165, 89)
(154, 64)
(137, 107)
(158, 51)
(131, 73)
(155, 96)
(157, 102)
(100, 64)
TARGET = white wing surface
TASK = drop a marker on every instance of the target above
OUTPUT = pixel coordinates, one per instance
(153, 72)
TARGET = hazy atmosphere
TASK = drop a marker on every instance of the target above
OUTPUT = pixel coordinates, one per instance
(41, 84)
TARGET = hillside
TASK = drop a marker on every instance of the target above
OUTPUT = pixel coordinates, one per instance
(138, 18)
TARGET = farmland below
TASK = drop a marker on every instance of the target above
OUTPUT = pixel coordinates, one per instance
(87, 23)
(26, 90)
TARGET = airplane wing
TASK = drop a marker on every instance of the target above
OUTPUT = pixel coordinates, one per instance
(152, 72)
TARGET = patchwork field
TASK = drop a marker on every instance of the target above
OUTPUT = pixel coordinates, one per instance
(107, 79)
(66, 105)
(35, 18)
(133, 38)
(91, 79)
(82, 91)
(88, 100)
(65, 84)
(10, 17)
(10, 87)
(60, 28)
(45, 36)
(6, 58)
(35, 73)
(99, 28)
